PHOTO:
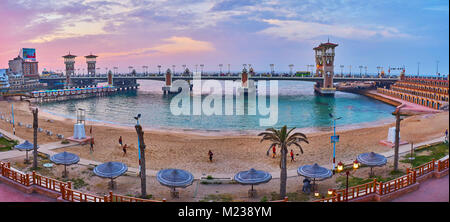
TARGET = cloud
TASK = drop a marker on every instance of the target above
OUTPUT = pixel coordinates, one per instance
(439, 8)
(299, 30)
(173, 45)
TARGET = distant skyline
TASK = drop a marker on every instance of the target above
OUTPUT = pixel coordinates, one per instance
(211, 32)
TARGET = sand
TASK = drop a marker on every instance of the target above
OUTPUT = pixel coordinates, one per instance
(231, 153)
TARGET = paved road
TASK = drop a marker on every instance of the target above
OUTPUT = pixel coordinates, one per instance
(10, 194)
(431, 190)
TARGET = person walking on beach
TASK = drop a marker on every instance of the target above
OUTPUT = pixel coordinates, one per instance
(274, 151)
(120, 141)
(292, 156)
(125, 150)
(91, 149)
(446, 135)
(210, 154)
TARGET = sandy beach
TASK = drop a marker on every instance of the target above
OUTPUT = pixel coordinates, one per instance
(231, 153)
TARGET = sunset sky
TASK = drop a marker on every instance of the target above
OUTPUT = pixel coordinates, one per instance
(167, 32)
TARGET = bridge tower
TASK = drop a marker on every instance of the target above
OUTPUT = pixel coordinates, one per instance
(168, 80)
(69, 61)
(91, 60)
(324, 54)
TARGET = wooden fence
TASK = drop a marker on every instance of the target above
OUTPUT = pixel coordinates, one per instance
(388, 187)
(64, 188)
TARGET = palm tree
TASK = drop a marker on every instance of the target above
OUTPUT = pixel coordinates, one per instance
(283, 138)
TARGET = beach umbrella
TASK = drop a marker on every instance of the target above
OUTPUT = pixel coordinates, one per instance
(252, 177)
(174, 178)
(372, 160)
(315, 172)
(65, 158)
(25, 146)
(110, 170)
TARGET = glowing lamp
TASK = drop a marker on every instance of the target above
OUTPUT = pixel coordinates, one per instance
(355, 164)
(340, 167)
(330, 192)
(316, 194)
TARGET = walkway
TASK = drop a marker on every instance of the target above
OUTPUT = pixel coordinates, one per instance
(431, 190)
(10, 194)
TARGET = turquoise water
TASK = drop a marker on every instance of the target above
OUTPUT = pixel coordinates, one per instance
(297, 107)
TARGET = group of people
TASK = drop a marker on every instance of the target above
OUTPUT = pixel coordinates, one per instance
(124, 147)
(274, 153)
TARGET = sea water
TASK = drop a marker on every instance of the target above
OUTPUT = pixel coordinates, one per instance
(297, 107)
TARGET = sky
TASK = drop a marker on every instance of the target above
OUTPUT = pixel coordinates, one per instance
(138, 33)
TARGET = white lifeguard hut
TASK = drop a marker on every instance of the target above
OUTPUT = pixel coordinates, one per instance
(391, 138)
(79, 133)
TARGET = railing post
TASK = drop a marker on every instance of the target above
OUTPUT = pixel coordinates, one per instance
(34, 177)
(111, 196)
(164, 200)
(432, 165)
(414, 176)
(27, 180)
(105, 198)
(63, 192)
(381, 188)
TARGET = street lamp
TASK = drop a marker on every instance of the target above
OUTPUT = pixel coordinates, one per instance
(340, 168)
(334, 139)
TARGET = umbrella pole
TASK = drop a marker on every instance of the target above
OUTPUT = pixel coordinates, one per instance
(112, 184)
(65, 171)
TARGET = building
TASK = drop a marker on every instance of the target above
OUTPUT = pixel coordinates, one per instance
(4, 81)
(29, 69)
(426, 91)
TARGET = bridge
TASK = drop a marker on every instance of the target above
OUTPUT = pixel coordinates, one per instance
(129, 81)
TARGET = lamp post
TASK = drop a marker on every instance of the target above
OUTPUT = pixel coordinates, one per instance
(334, 140)
(141, 151)
(340, 168)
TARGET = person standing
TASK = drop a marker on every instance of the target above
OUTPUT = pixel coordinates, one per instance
(446, 135)
(92, 145)
(120, 141)
(125, 150)
(274, 151)
(210, 154)
(292, 156)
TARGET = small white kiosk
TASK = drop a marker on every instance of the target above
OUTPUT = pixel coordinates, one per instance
(79, 133)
